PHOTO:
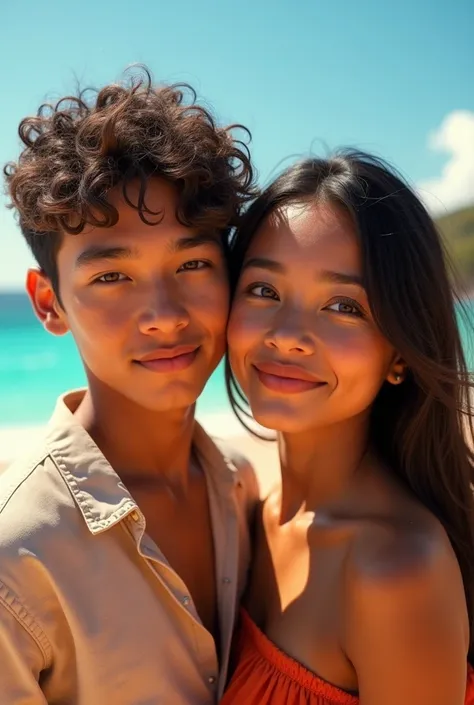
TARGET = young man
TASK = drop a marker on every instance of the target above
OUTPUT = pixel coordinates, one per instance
(124, 534)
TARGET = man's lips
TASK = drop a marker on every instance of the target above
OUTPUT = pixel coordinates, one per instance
(286, 379)
(169, 359)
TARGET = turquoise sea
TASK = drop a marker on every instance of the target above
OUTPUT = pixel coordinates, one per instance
(36, 367)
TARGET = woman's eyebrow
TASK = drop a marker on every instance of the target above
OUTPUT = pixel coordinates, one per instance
(326, 275)
(264, 263)
(341, 278)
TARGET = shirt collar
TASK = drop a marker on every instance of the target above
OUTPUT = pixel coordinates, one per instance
(96, 488)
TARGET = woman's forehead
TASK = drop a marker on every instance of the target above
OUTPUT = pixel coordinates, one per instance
(315, 232)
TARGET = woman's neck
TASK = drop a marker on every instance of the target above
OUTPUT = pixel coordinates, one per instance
(318, 465)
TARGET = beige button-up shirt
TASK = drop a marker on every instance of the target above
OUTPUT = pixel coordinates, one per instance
(91, 613)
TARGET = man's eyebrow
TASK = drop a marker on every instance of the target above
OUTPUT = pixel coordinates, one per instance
(95, 253)
(190, 241)
(264, 263)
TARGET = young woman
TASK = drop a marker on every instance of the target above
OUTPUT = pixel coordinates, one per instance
(343, 338)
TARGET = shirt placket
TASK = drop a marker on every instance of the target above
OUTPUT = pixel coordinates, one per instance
(226, 547)
(176, 587)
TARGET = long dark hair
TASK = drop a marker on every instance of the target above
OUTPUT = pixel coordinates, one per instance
(420, 428)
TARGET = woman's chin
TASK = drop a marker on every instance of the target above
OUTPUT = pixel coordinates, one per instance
(279, 419)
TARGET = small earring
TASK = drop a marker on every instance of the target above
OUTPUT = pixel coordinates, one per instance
(397, 377)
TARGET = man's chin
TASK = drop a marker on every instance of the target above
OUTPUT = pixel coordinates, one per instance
(149, 392)
(169, 398)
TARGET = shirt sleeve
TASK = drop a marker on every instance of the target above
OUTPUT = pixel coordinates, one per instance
(23, 654)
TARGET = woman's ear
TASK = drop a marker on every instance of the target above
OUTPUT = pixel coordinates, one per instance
(45, 302)
(397, 372)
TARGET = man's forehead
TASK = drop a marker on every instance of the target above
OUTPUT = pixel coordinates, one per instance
(140, 222)
(154, 193)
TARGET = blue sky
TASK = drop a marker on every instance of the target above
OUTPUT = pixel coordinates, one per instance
(301, 74)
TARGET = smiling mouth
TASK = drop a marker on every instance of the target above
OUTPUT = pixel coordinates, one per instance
(286, 384)
(165, 362)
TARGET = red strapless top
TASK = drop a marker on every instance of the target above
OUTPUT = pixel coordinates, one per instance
(265, 675)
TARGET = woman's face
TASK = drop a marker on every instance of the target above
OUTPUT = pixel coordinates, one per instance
(302, 341)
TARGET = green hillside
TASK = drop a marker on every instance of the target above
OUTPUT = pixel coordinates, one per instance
(458, 231)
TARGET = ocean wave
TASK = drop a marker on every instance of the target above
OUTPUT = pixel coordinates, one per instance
(28, 362)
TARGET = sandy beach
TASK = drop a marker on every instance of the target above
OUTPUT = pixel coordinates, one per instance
(262, 454)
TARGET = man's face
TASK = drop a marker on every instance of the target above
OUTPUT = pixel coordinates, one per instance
(147, 305)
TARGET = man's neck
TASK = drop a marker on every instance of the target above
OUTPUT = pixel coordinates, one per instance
(143, 447)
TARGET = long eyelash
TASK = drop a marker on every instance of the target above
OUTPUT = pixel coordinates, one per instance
(248, 289)
(352, 303)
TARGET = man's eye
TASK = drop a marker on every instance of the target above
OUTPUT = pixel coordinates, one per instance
(262, 291)
(111, 278)
(194, 264)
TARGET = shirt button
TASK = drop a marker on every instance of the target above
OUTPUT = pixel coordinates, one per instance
(186, 600)
(211, 680)
(227, 581)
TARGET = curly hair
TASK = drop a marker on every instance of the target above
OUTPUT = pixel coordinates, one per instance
(78, 149)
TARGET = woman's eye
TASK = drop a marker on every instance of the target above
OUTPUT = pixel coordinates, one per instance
(193, 264)
(346, 307)
(111, 278)
(262, 291)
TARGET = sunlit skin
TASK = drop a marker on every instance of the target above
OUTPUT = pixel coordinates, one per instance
(300, 303)
(352, 577)
(147, 306)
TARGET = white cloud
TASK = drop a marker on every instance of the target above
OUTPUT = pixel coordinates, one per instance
(454, 188)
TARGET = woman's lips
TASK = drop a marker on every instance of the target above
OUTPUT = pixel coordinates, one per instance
(286, 379)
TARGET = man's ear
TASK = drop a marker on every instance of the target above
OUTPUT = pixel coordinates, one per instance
(45, 302)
